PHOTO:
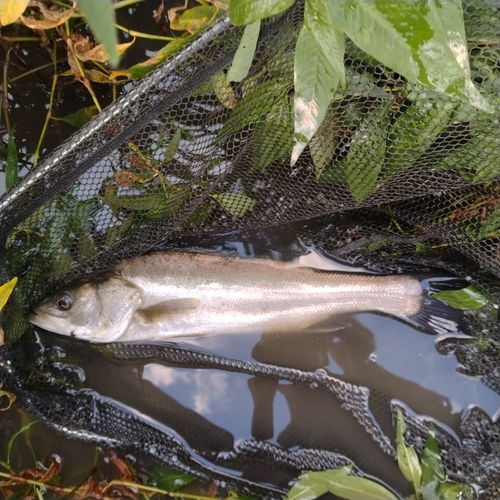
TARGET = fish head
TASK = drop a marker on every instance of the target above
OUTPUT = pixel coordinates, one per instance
(96, 310)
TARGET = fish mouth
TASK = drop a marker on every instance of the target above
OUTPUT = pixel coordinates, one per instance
(45, 322)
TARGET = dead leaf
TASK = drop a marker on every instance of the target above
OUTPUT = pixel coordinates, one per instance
(85, 50)
(10, 398)
(53, 16)
(2, 336)
(158, 12)
(173, 16)
(11, 10)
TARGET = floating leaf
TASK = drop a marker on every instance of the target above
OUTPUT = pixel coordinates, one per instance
(248, 11)
(11, 10)
(416, 40)
(244, 54)
(235, 203)
(319, 67)
(169, 479)
(100, 16)
(80, 117)
(464, 299)
(11, 163)
(407, 457)
(53, 18)
(5, 291)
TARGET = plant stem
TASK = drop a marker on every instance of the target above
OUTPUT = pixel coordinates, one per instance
(5, 90)
(145, 35)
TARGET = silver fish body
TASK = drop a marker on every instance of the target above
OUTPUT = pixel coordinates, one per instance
(170, 294)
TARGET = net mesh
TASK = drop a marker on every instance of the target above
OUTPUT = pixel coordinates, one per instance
(397, 179)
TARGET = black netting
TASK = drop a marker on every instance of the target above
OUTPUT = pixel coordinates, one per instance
(184, 155)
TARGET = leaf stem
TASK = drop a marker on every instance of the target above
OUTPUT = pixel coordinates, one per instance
(5, 91)
(139, 34)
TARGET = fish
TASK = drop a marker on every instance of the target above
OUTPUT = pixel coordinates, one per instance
(164, 295)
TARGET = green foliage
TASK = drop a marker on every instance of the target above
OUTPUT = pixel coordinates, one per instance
(169, 479)
(79, 118)
(100, 16)
(407, 457)
(235, 203)
(427, 476)
(319, 67)
(244, 54)
(466, 299)
(248, 11)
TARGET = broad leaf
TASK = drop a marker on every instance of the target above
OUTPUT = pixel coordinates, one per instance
(248, 11)
(407, 457)
(5, 291)
(169, 479)
(415, 130)
(52, 18)
(100, 16)
(415, 40)
(366, 153)
(454, 491)
(465, 299)
(432, 466)
(244, 54)
(11, 10)
(11, 163)
(341, 483)
(235, 203)
(318, 69)
(79, 118)
(306, 489)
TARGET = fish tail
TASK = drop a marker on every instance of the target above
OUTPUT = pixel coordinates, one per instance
(436, 317)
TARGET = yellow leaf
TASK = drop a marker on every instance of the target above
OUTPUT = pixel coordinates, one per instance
(53, 18)
(5, 291)
(11, 10)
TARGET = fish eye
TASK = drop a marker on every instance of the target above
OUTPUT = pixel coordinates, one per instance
(64, 301)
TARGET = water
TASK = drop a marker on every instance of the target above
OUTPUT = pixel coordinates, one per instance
(212, 410)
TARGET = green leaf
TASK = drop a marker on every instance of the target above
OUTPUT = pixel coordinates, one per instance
(273, 139)
(407, 457)
(491, 225)
(196, 18)
(140, 70)
(169, 479)
(5, 291)
(234, 203)
(11, 163)
(100, 16)
(173, 146)
(318, 69)
(243, 58)
(306, 489)
(248, 11)
(432, 466)
(414, 131)
(23, 429)
(80, 117)
(423, 41)
(454, 491)
(366, 153)
(465, 299)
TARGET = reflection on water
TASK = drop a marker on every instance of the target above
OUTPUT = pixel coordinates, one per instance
(215, 409)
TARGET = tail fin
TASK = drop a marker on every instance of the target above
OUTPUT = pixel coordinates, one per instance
(436, 316)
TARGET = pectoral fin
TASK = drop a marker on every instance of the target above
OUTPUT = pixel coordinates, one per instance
(165, 311)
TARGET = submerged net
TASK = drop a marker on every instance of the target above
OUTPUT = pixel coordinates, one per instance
(397, 179)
